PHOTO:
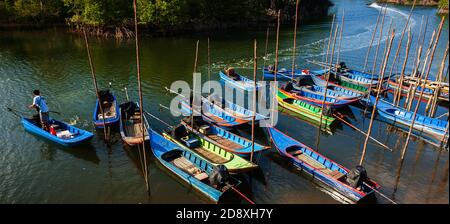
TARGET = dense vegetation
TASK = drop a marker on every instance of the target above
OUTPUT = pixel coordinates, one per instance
(162, 14)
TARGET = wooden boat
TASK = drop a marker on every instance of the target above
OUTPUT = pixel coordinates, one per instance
(232, 108)
(429, 83)
(315, 98)
(319, 90)
(322, 168)
(130, 124)
(214, 114)
(223, 138)
(284, 74)
(427, 92)
(65, 134)
(336, 80)
(192, 169)
(304, 109)
(239, 81)
(427, 127)
(214, 154)
(110, 109)
(337, 88)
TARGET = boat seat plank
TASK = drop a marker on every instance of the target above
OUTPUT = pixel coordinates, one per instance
(225, 142)
(190, 168)
(313, 163)
(211, 156)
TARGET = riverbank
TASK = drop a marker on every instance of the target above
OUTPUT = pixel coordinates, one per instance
(157, 18)
(441, 4)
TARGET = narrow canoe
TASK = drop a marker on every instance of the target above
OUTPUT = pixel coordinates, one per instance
(188, 167)
(317, 99)
(224, 139)
(397, 116)
(234, 109)
(320, 167)
(319, 90)
(209, 151)
(73, 136)
(215, 115)
(304, 109)
(240, 82)
(340, 82)
(110, 108)
(337, 88)
(284, 74)
(130, 124)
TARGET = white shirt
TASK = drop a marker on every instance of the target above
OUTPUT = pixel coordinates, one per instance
(39, 101)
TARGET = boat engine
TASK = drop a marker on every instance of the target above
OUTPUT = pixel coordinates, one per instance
(288, 87)
(356, 176)
(219, 176)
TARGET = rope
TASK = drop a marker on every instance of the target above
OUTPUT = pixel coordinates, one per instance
(156, 118)
(242, 195)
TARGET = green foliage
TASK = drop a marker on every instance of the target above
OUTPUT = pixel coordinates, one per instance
(443, 4)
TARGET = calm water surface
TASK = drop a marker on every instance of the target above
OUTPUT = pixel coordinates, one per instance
(37, 171)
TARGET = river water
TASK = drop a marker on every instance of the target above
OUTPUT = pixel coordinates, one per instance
(36, 171)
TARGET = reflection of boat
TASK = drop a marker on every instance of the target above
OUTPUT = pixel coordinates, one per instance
(65, 134)
(190, 168)
(214, 154)
(340, 179)
(225, 139)
(130, 124)
(110, 109)
(431, 127)
(304, 109)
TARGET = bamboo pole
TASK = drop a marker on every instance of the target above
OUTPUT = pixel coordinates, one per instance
(141, 106)
(255, 64)
(371, 42)
(209, 67)
(193, 85)
(415, 69)
(413, 90)
(437, 88)
(418, 42)
(276, 65)
(94, 79)
(398, 92)
(378, 46)
(401, 38)
(340, 37)
(383, 70)
(265, 52)
(295, 40)
(423, 88)
(329, 42)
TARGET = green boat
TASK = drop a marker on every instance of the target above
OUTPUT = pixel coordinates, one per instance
(209, 151)
(304, 109)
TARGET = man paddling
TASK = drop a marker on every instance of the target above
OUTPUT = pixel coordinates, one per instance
(41, 106)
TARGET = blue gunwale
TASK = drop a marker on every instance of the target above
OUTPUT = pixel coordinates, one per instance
(282, 142)
(161, 146)
(109, 121)
(249, 84)
(246, 144)
(337, 88)
(81, 137)
(236, 110)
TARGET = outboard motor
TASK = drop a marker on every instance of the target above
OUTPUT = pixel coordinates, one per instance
(179, 131)
(105, 95)
(219, 176)
(342, 64)
(356, 176)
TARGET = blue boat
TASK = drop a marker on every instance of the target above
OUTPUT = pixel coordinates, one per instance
(214, 114)
(189, 167)
(337, 88)
(110, 109)
(351, 78)
(284, 74)
(224, 139)
(234, 109)
(325, 170)
(427, 127)
(316, 98)
(239, 81)
(65, 134)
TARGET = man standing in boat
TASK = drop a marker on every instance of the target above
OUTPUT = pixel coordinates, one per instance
(41, 106)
